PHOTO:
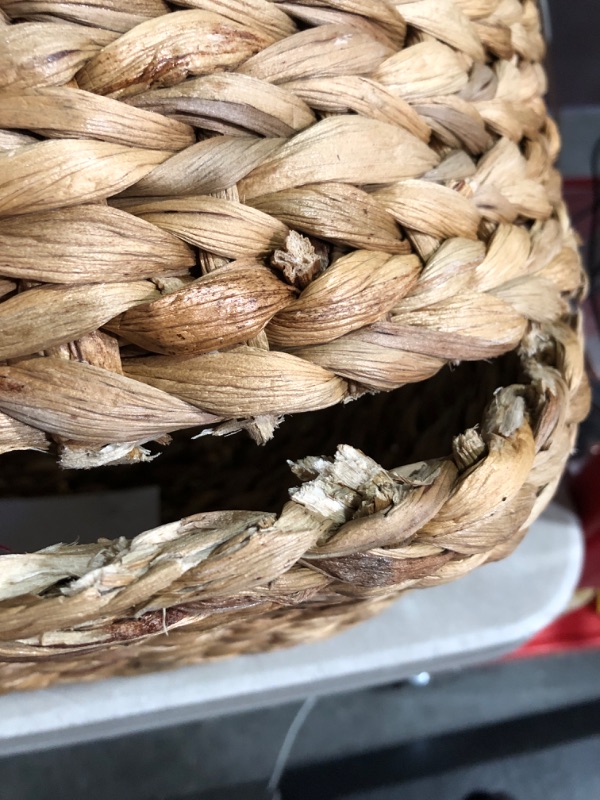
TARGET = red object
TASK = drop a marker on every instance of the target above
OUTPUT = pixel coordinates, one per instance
(577, 630)
(585, 487)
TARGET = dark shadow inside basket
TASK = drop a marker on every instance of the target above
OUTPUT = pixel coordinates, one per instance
(217, 473)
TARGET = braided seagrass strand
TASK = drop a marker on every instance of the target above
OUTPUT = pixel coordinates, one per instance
(241, 209)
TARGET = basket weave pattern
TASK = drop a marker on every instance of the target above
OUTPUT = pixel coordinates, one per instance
(240, 209)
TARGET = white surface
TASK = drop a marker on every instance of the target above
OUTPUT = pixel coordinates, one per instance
(482, 616)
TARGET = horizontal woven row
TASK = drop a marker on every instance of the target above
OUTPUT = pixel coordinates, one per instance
(468, 303)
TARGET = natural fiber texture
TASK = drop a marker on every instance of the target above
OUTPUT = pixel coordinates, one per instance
(221, 215)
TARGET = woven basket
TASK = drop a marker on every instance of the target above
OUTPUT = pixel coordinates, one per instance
(217, 213)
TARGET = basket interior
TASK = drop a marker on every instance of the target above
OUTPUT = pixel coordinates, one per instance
(212, 473)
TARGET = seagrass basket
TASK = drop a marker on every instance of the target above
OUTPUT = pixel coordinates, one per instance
(215, 214)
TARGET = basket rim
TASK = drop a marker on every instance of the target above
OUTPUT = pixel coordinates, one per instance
(351, 530)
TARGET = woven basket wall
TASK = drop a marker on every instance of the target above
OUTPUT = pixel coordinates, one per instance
(217, 213)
